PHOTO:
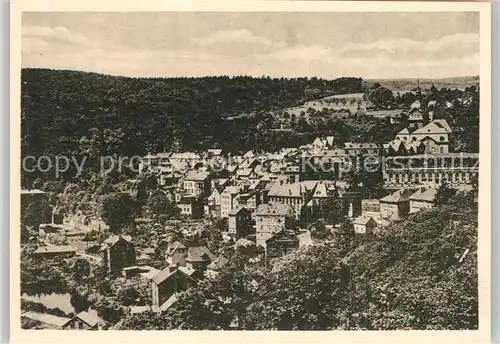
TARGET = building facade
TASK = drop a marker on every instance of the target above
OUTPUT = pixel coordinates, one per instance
(118, 252)
(422, 199)
(240, 222)
(395, 206)
(270, 219)
(228, 200)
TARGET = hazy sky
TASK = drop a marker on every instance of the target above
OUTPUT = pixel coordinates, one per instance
(329, 45)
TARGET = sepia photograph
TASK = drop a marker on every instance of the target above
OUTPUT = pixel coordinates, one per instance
(252, 170)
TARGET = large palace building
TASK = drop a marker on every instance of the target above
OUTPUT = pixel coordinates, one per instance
(423, 157)
(431, 170)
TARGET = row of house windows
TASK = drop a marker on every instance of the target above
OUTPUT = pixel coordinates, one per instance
(433, 177)
(441, 138)
(185, 209)
(287, 200)
(438, 162)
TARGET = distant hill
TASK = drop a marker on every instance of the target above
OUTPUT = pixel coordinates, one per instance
(409, 84)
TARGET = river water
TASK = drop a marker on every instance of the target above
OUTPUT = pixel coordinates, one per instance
(54, 300)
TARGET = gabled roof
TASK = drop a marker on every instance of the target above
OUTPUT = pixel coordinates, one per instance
(428, 195)
(305, 239)
(231, 190)
(171, 270)
(249, 154)
(442, 123)
(218, 263)
(438, 126)
(287, 190)
(248, 162)
(235, 211)
(364, 220)
(278, 209)
(164, 274)
(320, 190)
(185, 155)
(244, 171)
(402, 195)
(199, 254)
(172, 247)
(89, 317)
(112, 240)
(318, 142)
(404, 131)
(197, 175)
(186, 270)
(265, 178)
(415, 105)
(169, 303)
(216, 191)
(396, 145)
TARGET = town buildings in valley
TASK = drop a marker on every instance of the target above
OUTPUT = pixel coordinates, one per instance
(257, 198)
